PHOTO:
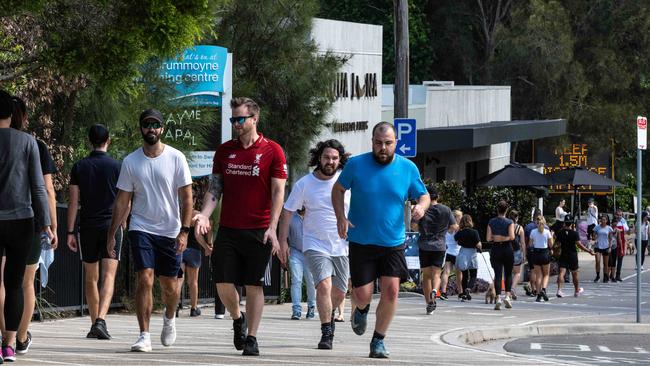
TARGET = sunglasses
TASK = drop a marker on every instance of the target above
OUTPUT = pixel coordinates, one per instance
(240, 119)
(151, 124)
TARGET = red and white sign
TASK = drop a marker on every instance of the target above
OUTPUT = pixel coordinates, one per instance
(642, 132)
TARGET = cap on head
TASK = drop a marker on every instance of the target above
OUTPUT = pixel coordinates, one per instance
(97, 135)
(151, 114)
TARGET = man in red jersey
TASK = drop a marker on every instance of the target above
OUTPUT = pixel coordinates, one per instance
(250, 171)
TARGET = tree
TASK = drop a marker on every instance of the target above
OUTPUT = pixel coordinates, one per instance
(277, 64)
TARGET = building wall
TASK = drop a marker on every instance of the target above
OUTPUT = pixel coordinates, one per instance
(361, 44)
(466, 105)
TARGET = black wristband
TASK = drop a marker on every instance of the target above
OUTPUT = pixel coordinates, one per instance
(72, 232)
(185, 229)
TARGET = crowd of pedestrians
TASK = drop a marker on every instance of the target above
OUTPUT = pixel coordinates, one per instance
(340, 231)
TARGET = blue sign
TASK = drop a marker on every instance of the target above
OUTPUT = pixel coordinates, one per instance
(407, 141)
(197, 74)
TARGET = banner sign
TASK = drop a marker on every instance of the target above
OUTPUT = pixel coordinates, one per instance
(197, 74)
(642, 133)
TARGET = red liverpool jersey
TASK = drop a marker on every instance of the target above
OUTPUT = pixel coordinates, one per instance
(247, 174)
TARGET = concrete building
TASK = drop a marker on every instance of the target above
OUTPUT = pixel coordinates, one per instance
(465, 132)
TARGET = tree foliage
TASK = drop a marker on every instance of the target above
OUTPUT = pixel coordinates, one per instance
(277, 64)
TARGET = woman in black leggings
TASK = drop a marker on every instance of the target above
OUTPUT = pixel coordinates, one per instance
(501, 232)
(21, 188)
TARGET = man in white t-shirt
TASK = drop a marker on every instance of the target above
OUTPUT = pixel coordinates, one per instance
(325, 251)
(155, 177)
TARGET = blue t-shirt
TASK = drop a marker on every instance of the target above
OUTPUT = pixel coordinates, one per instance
(378, 193)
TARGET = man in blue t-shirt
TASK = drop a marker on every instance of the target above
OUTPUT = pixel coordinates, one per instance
(380, 183)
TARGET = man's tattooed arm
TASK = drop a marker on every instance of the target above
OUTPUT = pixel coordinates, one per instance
(216, 186)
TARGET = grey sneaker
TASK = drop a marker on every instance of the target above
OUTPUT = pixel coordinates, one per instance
(295, 315)
(310, 312)
(497, 306)
(377, 349)
(508, 302)
(359, 321)
(168, 334)
(431, 307)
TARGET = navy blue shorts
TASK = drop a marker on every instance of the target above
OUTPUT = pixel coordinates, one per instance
(154, 251)
(192, 257)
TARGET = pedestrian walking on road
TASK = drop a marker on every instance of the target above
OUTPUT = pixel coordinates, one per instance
(467, 260)
(438, 220)
(501, 233)
(530, 288)
(645, 229)
(450, 259)
(298, 268)
(615, 256)
(93, 183)
(542, 241)
(592, 218)
(603, 234)
(518, 251)
(157, 180)
(250, 172)
(623, 229)
(325, 252)
(569, 240)
(380, 183)
(23, 202)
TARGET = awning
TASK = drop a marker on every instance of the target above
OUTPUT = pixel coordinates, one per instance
(485, 134)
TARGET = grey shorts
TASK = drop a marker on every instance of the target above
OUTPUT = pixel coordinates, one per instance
(519, 258)
(323, 266)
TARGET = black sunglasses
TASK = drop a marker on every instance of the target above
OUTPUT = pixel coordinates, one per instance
(240, 119)
(151, 124)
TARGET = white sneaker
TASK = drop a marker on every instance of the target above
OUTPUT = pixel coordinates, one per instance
(218, 316)
(143, 344)
(168, 335)
(508, 302)
(579, 292)
(497, 306)
(559, 293)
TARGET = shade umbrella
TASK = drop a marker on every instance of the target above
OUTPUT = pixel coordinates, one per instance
(514, 175)
(580, 177)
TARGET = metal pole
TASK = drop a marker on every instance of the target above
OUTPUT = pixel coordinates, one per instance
(639, 179)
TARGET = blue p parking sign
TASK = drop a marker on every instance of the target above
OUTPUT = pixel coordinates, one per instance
(407, 140)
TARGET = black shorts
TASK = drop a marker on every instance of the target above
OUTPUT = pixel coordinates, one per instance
(431, 258)
(601, 251)
(369, 262)
(92, 244)
(240, 257)
(450, 258)
(35, 250)
(541, 257)
(590, 230)
(569, 261)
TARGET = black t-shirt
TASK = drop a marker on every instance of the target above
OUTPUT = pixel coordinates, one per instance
(96, 175)
(47, 163)
(433, 227)
(467, 238)
(567, 239)
(499, 225)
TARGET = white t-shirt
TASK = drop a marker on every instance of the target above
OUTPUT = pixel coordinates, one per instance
(540, 240)
(559, 213)
(320, 232)
(452, 246)
(644, 232)
(155, 183)
(592, 215)
(602, 236)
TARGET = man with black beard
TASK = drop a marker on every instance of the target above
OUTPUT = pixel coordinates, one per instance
(155, 177)
(380, 182)
(326, 253)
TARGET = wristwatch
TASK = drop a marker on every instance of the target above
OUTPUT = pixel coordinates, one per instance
(185, 229)
(72, 232)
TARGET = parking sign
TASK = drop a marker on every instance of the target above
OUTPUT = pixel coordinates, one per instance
(406, 137)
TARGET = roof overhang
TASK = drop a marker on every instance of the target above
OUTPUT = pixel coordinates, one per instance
(486, 134)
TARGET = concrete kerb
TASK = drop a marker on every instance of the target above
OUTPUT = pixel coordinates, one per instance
(465, 337)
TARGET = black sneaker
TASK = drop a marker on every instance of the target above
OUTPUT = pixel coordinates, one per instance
(618, 279)
(544, 295)
(539, 297)
(468, 296)
(100, 329)
(327, 336)
(195, 312)
(23, 347)
(605, 279)
(250, 347)
(443, 296)
(239, 327)
(597, 278)
(431, 307)
(91, 333)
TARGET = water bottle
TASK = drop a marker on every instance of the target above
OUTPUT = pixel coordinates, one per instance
(46, 242)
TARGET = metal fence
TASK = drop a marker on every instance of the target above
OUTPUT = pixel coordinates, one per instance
(65, 290)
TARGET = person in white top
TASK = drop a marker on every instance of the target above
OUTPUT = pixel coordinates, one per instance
(542, 241)
(645, 227)
(559, 210)
(603, 234)
(326, 253)
(592, 218)
(450, 259)
(154, 176)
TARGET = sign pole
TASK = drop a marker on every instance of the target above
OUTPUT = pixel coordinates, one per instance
(642, 133)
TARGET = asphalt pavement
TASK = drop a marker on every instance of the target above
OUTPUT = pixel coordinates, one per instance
(462, 333)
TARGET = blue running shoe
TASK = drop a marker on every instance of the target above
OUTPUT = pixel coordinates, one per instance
(377, 349)
(310, 312)
(359, 322)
